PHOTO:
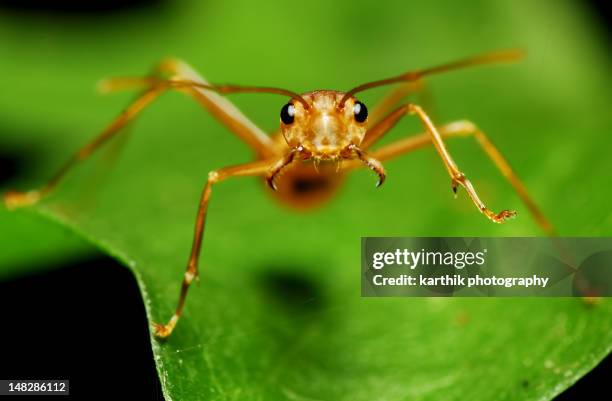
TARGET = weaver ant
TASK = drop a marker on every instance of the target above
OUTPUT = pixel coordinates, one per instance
(319, 130)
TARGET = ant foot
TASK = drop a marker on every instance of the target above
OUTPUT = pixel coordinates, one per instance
(163, 331)
(591, 300)
(14, 200)
(501, 216)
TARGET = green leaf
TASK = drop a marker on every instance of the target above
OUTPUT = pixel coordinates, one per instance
(278, 313)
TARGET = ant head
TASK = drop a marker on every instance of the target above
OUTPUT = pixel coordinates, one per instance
(327, 126)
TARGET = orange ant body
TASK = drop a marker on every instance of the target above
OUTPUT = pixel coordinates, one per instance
(320, 130)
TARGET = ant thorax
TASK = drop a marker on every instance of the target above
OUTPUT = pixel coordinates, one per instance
(324, 129)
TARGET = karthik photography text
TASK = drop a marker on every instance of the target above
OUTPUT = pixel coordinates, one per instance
(457, 280)
(410, 259)
(485, 267)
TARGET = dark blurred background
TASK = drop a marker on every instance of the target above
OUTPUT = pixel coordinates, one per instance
(90, 310)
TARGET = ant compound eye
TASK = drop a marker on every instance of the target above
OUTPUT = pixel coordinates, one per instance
(360, 111)
(287, 113)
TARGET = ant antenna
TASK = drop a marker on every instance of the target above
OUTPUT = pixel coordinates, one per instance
(123, 83)
(489, 58)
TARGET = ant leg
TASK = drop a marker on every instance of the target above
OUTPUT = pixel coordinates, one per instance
(465, 129)
(14, 199)
(457, 177)
(278, 167)
(256, 168)
(370, 162)
(174, 70)
(220, 107)
(394, 97)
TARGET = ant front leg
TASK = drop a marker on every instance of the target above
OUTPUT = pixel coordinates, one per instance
(261, 167)
(465, 129)
(457, 177)
(277, 168)
(371, 162)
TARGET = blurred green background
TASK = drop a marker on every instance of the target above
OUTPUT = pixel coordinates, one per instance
(550, 116)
